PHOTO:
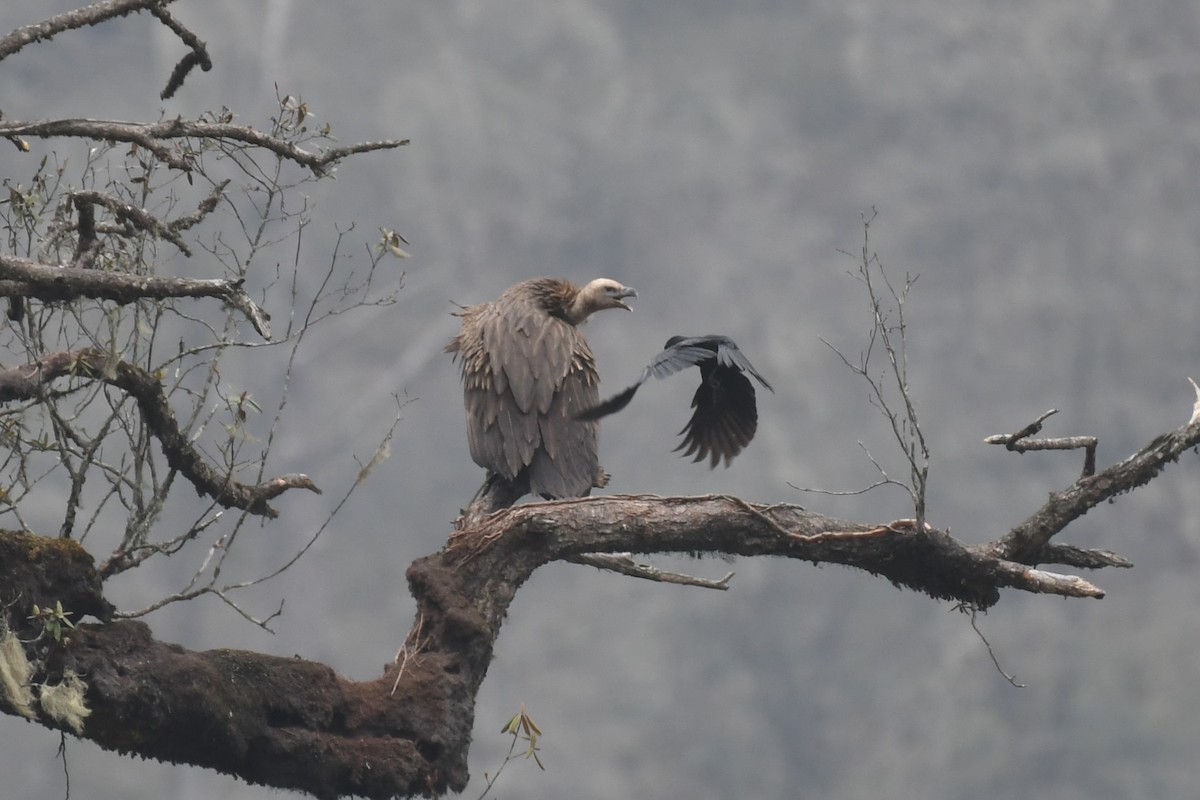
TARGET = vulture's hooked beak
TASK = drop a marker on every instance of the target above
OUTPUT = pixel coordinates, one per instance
(627, 291)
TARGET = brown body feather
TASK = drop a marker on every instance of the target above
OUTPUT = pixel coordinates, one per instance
(527, 370)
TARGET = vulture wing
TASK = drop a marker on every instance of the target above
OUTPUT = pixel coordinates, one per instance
(525, 374)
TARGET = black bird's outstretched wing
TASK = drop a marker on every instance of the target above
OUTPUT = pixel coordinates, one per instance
(725, 416)
(671, 360)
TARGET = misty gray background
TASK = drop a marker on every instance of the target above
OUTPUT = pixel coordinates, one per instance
(1037, 163)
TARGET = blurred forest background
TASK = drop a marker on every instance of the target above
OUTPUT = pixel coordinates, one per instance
(1036, 163)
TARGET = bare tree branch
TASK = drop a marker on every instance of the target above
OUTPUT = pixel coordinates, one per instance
(889, 327)
(123, 212)
(1019, 443)
(70, 20)
(156, 136)
(111, 9)
(197, 54)
(623, 564)
(88, 244)
(1028, 542)
(27, 382)
(22, 277)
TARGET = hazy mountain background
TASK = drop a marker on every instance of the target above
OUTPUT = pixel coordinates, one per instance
(1036, 163)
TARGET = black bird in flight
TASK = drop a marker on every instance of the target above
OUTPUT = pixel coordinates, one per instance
(725, 416)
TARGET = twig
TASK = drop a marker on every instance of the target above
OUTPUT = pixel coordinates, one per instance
(906, 429)
(623, 563)
(887, 480)
(1028, 430)
(971, 610)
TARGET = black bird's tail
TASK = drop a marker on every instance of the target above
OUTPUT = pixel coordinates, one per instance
(610, 406)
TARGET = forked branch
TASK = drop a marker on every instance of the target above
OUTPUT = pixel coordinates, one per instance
(29, 382)
(103, 11)
(1019, 442)
(1029, 542)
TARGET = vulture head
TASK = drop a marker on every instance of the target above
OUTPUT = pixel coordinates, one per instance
(598, 295)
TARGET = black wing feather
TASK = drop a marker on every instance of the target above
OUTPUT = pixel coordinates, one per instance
(725, 416)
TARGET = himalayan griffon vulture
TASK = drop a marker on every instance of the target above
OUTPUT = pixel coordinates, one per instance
(527, 371)
(725, 416)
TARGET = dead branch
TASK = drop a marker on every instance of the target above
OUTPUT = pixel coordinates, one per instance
(88, 245)
(156, 136)
(102, 12)
(197, 54)
(79, 18)
(889, 327)
(28, 381)
(203, 209)
(21, 277)
(1020, 443)
(1029, 542)
(127, 212)
(623, 564)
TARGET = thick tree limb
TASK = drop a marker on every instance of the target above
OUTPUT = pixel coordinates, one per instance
(21, 277)
(28, 382)
(34, 569)
(408, 731)
(156, 137)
